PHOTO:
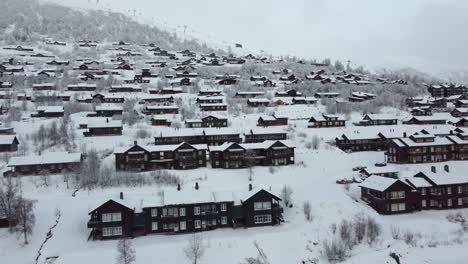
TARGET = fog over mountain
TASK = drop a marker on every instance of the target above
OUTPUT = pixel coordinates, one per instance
(425, 34)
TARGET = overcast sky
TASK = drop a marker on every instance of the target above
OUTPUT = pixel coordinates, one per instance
(429, 35)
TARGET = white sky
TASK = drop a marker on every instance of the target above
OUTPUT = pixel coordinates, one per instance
(430, 35)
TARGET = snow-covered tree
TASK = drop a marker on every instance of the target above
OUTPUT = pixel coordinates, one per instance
(125, 252)
(195, 248)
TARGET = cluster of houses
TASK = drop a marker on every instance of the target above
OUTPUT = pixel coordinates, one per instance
(434, 189)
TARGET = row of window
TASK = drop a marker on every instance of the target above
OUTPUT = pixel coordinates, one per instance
(112, 231)
(111, 217)
(262, 206)
(197, 210)
(437, 203)
(182, 225)
(262, 219)
(397, 195)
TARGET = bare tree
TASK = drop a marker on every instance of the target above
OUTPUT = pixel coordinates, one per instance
(249, 161)
(195, 248)
(26, 218)
(307, 210)
(286, 194)
(9, 191)
(126, 252)
(315, 142)
(260, 259)
(89, 171)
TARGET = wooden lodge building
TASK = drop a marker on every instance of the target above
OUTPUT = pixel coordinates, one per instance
(260, 135)
(207, 121)
(326, 120)
(104, 128)
(377, 120)
(211, 137)
(426, 190)
(182, 156)
(426, 120)
(267, 153)
(108, 110)
(213, 107)
(83, 87)
(266, 121)
(49, 111)
(258, 102)
(8, 143)
(161, 109)
(184, 211)
(419, 148)
(47, 163)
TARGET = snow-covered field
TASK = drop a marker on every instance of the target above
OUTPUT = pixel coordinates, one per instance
(312, 178)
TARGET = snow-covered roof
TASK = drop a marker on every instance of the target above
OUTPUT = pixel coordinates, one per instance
(378, 183)
(159, 148)
(104, 123)
(109, 107)
(6, 139)
(50, 109)
(45, 158)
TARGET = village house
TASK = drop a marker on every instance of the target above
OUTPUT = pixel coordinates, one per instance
(266, 121)
(304, 100)
(426, 120)
(167, 90)
(461, 103)
(160, 109)
(181, 156)
(419, 148)
(361, 96)
(267, 153)
(328, 95)
(82, 87)
(210, 99)
(258, 102)
(181, 82)
(326, 120)
(460, 145)
(49, 111)
(102, 99)
(421, 111)
(158, 99)
(213, 136)
(249, 94)
(45, 164)
(51, 97)
(184, 211)
(353, 142)
(44, 86)
(125, 89)
(261, 135)
(288, 93)
(377, 120)
(446, 90)
(161, 120)
(104, 127)
(213, 107)
(388, 195)
(383, 171)
(207, 121)
(459, 112)
(210, 92)
(108, 110)
(8, 143)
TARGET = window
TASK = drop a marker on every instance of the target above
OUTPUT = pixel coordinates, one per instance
(423, 203)
(183, 225)
(449, 190)
(460, 201)
(196, 210)
(262, 206)
(397, 195)
(423, 191)
(154, 226)
(223, 207)
(182, 211)
(164, 212)
(262, 219)
(213, 222)
(397, 207)
(111, 217)
(112, 231)
(197, 224)
(154, 212)
(460, 189)
(449, 202)
(224, 220)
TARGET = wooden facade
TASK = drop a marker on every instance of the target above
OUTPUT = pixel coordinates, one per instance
(173, 214)
(326, 120)
(47, 163)
(145, 158)
(208, 137)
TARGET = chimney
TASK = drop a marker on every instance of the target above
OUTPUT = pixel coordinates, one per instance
(446, 168)
(404, 134)
(107, 120)
(135, 143)
(121, 195)
(178, 187)
(250, 187)
(196, 186)
(433, 169)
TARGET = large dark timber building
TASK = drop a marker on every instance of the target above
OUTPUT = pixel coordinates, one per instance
(183, 211)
